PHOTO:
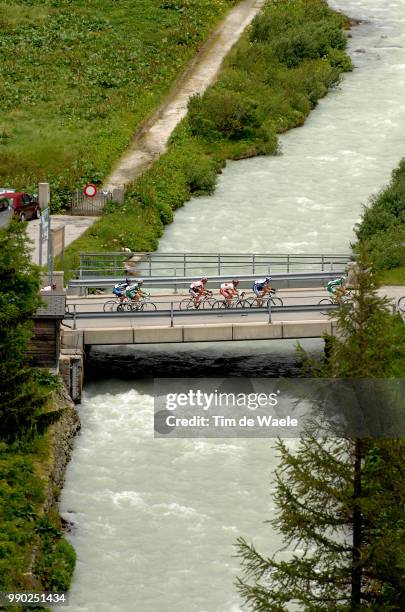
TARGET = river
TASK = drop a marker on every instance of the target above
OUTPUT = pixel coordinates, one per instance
(308, 199)
(155, 521)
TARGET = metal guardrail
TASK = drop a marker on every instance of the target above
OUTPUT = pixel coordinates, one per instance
(187, 264)
(182, 281)
(173, 312)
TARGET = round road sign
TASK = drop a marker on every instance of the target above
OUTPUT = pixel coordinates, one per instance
(90, 190)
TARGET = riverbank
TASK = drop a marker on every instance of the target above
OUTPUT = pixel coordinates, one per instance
(381, 232)
(77, 79)
(272, 79)
(34, 554)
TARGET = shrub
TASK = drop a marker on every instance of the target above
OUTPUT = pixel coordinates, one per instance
(385, 249)
(223, 113)
(201, 175)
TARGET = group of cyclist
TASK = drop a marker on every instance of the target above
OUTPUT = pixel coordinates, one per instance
(228, 289)
(129, 290)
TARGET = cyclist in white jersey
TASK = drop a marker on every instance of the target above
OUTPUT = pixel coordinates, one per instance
(229, 290)
(198, 290)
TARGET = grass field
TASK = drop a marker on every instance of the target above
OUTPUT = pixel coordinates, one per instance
(76, 78)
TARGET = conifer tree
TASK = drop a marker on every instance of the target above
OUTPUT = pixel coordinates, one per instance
(21, 400)
(341, 500)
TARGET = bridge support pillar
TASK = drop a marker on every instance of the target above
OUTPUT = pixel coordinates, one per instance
(71, 368)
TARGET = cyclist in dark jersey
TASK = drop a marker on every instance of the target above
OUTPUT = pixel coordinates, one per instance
(260, 288)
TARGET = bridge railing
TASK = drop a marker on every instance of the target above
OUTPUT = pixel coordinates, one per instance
(196, 264)
(176, 282)
(172, 312)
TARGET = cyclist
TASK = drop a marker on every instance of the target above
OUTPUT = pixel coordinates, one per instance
(198, 290)
(229, 290)
(134, 292)
(119, 289)
(261, 287)
(337, 287)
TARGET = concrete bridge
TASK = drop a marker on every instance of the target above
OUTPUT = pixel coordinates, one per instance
(300, 316)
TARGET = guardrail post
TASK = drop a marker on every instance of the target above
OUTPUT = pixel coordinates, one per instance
(185, 265)
(150, 265)
(253, 263)
(219, 264)
(175, 286)
(323, 263)
(74, 316)
(288, 263)
(171, 315)
(269, 311)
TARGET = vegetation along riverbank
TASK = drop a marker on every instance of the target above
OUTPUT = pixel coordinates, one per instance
(37, 425)
(284, 63)
(77, 79)
(381, 231)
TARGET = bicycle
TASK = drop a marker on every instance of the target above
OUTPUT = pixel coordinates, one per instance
(113, 305)
(143, 304)
(335, 300)
(189, 303)
(273, 300)
(238, 301)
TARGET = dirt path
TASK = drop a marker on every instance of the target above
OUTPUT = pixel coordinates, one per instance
(151, 138)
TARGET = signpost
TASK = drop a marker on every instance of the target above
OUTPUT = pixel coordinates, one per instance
(90, 190)
(58, 242)
(44, 232)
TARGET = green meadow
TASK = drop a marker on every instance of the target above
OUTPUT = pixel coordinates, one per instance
(77, 78)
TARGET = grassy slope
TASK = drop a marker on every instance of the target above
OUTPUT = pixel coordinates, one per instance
(269, 83)
(76, 78)
(381, 232)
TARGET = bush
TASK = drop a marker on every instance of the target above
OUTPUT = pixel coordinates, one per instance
(382, 229)
(223, 113)
(201, 176)
(385, 249)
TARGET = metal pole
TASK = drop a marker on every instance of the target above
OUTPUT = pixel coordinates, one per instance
(219, 264)
(184, 264)
(74, 316)
(323, 263)
(40, 243)
(269, 311)
(171, 315)
(253, 263)
(49, 253)
(175, 286)
(150, 264)
(288, 263)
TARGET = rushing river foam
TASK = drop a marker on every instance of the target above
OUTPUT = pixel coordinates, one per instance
(155, 520)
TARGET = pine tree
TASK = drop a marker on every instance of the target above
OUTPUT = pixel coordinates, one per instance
(341, 500)
(21, 399)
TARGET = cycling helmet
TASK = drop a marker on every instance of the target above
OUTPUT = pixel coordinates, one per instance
(204, 279)
(268, 278)
(235, 281)
(140, 281)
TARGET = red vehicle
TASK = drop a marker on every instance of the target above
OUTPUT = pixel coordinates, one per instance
(23, 205)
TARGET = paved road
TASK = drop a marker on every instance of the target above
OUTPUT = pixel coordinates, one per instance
(74, 228)
(290, 297)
